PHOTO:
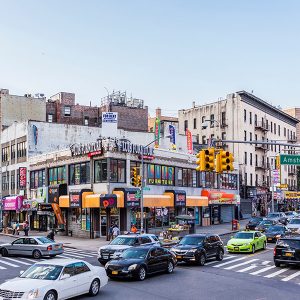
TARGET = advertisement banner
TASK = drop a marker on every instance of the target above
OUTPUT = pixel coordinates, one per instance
(58, 214)
(22, 177)
(157, 132)
(108, 201)
(133, 199)
(189, 141)
(12, 203)
(53, 194)
(172, 132)
(109, 124)
(75, 199)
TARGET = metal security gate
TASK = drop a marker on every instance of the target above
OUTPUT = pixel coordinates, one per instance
(227, 213)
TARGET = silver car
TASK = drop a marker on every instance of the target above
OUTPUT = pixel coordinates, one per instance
(35, 246)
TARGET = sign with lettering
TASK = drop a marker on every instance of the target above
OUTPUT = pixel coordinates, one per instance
(108, 201)
(133, 199)
(288, 159)
(79, 149)
(53, 194)
(22, 177)
(75, 200)
(109, 117)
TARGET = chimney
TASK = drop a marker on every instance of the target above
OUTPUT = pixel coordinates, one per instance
(158, 112)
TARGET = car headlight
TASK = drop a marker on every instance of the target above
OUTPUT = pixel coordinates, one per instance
(256, 228)
(246, 244)
(173, 250)
(278, 236)
(33, 294)
(132, 267)
(193, 250)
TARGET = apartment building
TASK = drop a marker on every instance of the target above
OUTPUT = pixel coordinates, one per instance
(242, 116)
(294, 112)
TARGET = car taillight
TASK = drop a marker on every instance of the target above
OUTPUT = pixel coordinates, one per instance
(49, 248)
(274, 251)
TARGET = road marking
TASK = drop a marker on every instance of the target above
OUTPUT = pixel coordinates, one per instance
(266, 262)
(276, 273)
(217, 261)
(247, 269)
(262, 270)
(84, 255)
(241, 264)
(18, 261)
(228, 262)
(291, 276)
(9, 264)
(73, 255)
(2, 268)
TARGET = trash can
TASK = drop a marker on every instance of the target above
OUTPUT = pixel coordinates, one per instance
(235, 224)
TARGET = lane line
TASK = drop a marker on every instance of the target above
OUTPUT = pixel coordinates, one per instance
(8, 263)
(241, 264)
(34, 260)
(229, 262)
(266, 262)
(263, 270)
(291, 276)
(247, 269)
(276, 273)
(2, 268)
(18, 261)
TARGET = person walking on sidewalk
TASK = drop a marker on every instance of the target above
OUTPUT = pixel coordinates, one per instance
(26, 228)
(51, 234)
(115, 231)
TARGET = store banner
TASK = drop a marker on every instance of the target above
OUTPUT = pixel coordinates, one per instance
(108, 201)
(172, 132)
(54, 191)
(133, 199)
(157, 132)
(12, 203)
(75, 199)
(189, 141)
(58, 214)
(22, 177)
(219, 197)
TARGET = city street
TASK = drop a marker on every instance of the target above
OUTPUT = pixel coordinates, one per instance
(238, 276)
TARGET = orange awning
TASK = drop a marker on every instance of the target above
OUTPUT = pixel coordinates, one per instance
(91, 201)
(196, 201)
(120, 198)
(158, 201)
(64, 201)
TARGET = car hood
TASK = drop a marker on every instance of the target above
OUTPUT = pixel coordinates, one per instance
(126, 262)
(185, 247)
(239, 241)
(115, 247)
(25, 284)
(273, 233)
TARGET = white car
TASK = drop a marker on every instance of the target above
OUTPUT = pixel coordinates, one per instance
(122, 243)
(56, 280)
(294, 225)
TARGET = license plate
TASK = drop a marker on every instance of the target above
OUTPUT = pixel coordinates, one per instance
(289, 254)
(269, 239)
(178, 256)
(236, 248)
(104, 256)
(114, 272)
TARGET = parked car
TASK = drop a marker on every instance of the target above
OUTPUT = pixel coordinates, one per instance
(247, 241)
(278, 216)
(287, 251)
(197, 248)
(58, 279)
(253, 222)
(294, 225)
(265, 224)
(291, 214)
(275, 232)
(35, 246)
(122, 243)
(138, 262)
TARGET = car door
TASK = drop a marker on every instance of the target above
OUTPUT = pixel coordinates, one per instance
(152, 261)
(16, 247)
(83, 276)
(145, 240)
(208, 246)
(67, 287)
(28, 244)
(162, 259)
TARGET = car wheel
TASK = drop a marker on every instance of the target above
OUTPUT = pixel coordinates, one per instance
(4, 252)
(201, 260)
(170, 267)
(142, 274)
(253, 249)
(265, 246)
(220, 255)
(51, 295)
(36, 254)
(95, 287)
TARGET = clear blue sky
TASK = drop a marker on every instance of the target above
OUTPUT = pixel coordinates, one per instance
(168, 53)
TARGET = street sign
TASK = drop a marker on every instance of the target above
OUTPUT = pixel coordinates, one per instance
(138, 194)
(146, 188)
(284, 186)
(288, 159)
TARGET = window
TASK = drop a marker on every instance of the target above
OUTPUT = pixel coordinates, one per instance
(271, 127)
(228, 181)
(251, 179)
(203, 119)
(245, 158)
(81, 267)
(246, 181)
(223, 118)
(284, 131)
(12, 181)
(245, 135)
(5, 154)
(223, 135)
(117, 170)
(70, 270)
(79, 173)
(160, 175)
(57, 175)
(5, 181)
(86, 121)
(100, 170)
(256, 160)
(274, 128)
(245, 115)
(67, 110)
(212, 121)
(37, 179)
(203, 139)
(255, 119)
(256, 179)
(187, 177)
(279, 130)
(250, 136)
(13, 151)
(186, 125)
(21, 149)
(250, 117)
(256, 137)
(251, 159)
(50, 118)
(145, 240)
(195, 123)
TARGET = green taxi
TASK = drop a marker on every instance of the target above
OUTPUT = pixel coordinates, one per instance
(247, 241)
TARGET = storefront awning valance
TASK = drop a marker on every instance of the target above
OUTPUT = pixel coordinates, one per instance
(64, 201)
(178, 197)
(218, 197)
(120, 198)
(158, 201)
(129, 197)
(102, 200)
(196, 201)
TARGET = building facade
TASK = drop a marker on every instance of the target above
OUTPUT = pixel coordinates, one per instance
(245, 117)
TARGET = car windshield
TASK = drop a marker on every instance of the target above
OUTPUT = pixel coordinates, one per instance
(295, 221)
(243, 235)
(44, 272)
(192, 240)
(135, 252)
(273, 215)
(275, 228)
(123, 241)
(290, 213)
(289, 243)
(45, 240)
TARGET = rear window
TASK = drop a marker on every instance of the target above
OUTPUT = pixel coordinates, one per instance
(289, 243)
(44, 240)
(124, 241)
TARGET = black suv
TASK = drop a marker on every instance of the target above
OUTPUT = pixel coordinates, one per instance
(253, 222)
(198, 248)
(287, 251)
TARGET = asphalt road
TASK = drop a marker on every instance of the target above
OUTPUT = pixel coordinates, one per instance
(238, 276)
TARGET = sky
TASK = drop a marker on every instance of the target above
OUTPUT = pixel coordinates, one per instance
(167, 52)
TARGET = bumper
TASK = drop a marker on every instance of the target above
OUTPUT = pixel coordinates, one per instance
(121, 273)
(287, 261)
(103, 261)
(185, 258)
(52, 252)
(231, 248)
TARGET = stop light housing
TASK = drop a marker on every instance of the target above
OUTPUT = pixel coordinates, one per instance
(139, 181)
(200, 161)
(209, 159)
(224, 161)
(134, 177)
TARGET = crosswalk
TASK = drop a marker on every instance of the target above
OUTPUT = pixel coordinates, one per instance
(256, 267)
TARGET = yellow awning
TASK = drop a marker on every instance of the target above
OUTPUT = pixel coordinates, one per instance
(158, 201)
(64, 201)
(120, 198)
(91, 201)
(84, 195)
(196, 201)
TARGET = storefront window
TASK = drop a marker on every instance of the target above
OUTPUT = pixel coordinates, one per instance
(208, 180)
(86, 219)
(160, 175)
(79, 173)
(159, 217)
(228, 181)
(57, 175)
(37, 179)
(187, 177)
(100, 170)
(117, 170)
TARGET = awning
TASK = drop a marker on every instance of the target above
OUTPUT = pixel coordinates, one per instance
(158, 201)
(120, 198)
(218, 197)
(128, 197)
(64, 201)
(107, 200)
(196, 201)
(178, 197)
(91, 201)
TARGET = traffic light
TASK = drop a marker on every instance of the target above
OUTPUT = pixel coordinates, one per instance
(224, 161)
(200, 161)
(139, 181)
(134, 177)
(209, 159)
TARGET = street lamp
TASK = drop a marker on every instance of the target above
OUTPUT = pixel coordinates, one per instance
(143, 180)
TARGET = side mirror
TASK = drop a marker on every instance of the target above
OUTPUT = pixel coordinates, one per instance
(65, 276)
(21, 272)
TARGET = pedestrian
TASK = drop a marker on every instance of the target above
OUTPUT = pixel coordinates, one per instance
(26, 228)
(110, 232)
(133, 228)
(115, 231)
(18, 228)
(14, 227)
(51, 234)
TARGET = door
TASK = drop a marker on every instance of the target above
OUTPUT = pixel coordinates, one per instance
(16, 247)
(28, 246)
(67, 287)
(257, 240)
(83, 276)
(208, 246)
(227, 213)
(153, 261)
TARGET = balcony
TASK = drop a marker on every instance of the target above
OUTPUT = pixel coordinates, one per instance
(292, 139)
(261, 166)
(261, 126)
(292, 173)
(261, 147)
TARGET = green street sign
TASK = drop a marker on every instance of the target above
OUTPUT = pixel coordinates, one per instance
(288, 159)
(146, 188)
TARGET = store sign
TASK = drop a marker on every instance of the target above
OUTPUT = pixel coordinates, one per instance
(75, 200)
(133, 199)
(180, 200)
(219, 197)
(22, 177)
(53, 194)
(108, 201)
(12, 203)
(79, 149)
(109, 117)
(58, 214)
